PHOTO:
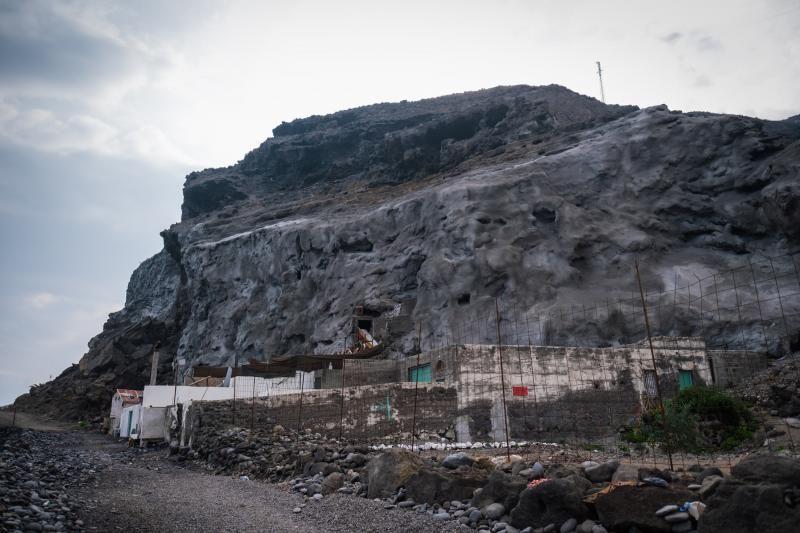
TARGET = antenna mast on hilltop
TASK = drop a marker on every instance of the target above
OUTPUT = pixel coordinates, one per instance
(600, 75)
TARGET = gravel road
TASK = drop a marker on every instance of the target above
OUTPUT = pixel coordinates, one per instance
(144, 491)
(132, 498)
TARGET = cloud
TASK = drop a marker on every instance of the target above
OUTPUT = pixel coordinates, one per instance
(64, 133)
(702, 81)
(56, 44)
(696, 39)
(41, 300)
(46, 130)
(68, 73)
(705, 43)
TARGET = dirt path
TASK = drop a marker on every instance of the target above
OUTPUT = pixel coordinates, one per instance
(146, 492)
(28, 421)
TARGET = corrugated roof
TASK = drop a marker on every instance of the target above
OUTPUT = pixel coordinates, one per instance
(130, 396)
(286, 366)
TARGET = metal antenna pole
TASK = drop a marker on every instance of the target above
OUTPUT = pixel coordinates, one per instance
(600, 75)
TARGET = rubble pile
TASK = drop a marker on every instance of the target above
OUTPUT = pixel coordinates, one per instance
(604, 497)
(276, 455)
(36, 473)
(777, 388)
(497, 495)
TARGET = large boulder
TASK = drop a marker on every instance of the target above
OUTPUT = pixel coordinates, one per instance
(554, 501)
(454, 460)
(768, 469)
(601, 472)
(629, 506)
(501, 488)
(626, 472)
(332, 482)
(390, 471)
(762, 494)
(437, 485)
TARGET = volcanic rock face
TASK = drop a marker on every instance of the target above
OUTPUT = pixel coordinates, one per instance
(536, 195)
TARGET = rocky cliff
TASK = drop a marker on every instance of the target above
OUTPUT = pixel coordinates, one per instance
(429, 210)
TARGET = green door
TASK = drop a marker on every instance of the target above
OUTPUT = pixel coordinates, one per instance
(685, 379)
(421, 373)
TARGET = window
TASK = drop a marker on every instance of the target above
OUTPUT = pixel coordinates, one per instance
(421, 373)
(650, 387)
(440, 378)
(685, 379)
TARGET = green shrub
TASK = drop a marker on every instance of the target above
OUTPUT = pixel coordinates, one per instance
(697, 419)
(714, 404)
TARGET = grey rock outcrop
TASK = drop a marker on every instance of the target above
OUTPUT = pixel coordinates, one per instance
(763, 492)
(429, 210)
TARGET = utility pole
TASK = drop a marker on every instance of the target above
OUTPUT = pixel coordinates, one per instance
(154, 364)
(600, 75)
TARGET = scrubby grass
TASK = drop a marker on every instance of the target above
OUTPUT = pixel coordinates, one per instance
(698, 419)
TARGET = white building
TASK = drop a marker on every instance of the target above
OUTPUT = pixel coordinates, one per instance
(129, 421)
(122, 398)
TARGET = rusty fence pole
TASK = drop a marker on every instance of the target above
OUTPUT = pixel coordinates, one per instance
(253, 407)
(653, 358)
(233, 377)
(780, 300)
(758, 303)
(175, 380)
(341, 400)
(739, 312)
(519, 362)
(502, 378)
(14, 416)
(702, 320)
(300, 407)
(416, 388)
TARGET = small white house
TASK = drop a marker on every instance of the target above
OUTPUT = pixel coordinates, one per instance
(122, 398)
(130, 421)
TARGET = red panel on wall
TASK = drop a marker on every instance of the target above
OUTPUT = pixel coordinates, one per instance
(520, 391)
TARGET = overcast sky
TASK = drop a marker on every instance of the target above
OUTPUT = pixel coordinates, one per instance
(105, 106)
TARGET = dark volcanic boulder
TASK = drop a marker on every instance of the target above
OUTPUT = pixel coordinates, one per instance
(629, 507)
(390, 471)
(332, 482)
(501, 488)
(768, 469)
(554, 501)
(762, 494)
(438, 485)
(454, 460)
(602, 472)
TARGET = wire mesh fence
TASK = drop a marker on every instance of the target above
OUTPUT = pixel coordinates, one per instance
(503, 376)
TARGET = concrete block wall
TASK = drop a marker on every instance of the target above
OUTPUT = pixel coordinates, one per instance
(553, 391)
(730, 366)
(369, 413)
(362, 372)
